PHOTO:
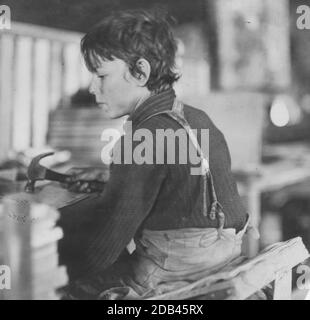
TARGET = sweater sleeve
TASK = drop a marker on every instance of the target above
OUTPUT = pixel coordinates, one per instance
(126, 201)
(224, 182)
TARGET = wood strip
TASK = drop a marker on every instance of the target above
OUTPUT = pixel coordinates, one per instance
(283, 285)
(41, 93)
(55, 76)
(22, 101)
(6, 89)
(71, 76)
(13, 75)
(32, 90)
(41, 32)
(85, 74)
(62, 75)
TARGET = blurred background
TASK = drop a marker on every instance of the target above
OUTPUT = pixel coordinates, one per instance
(244, 62)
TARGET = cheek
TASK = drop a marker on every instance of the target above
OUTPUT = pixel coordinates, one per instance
(109, 86)
(117, 90)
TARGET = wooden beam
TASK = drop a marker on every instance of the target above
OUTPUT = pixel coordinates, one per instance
(283, 285)
(41, 32)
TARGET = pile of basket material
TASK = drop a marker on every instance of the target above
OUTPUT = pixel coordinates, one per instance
(29, 248)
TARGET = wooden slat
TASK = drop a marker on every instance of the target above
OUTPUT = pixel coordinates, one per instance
(85, 74)
(41, 92)
(32, 90)
(71, 76)
(269, 266)
(283, 285)
(62, 72)
(22, 101)
(281, 174)
(41, 32)
(80, 132)
(7, 67)
(55, 75)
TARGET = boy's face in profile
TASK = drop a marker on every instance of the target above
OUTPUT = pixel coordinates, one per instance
(116, 90)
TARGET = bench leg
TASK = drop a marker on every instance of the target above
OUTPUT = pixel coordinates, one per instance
(283, 286)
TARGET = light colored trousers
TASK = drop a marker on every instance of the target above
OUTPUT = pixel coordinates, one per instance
(167, 260)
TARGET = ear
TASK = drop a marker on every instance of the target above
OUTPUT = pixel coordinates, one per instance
(145, 68)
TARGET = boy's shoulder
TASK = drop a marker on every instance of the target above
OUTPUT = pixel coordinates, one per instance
(198, 118)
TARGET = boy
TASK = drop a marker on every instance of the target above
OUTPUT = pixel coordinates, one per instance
(184, 224)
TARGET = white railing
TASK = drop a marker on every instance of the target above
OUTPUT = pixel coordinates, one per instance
(39, 67)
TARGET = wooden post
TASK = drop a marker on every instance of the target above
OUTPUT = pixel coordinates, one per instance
(283, 285)
(55, 75)
(22, 94)
(40, 92)
(253, 206)
(7, 67)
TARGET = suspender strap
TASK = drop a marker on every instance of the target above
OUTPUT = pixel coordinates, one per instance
(177, 113)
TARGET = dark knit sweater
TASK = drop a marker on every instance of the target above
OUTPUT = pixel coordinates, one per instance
(157, 196)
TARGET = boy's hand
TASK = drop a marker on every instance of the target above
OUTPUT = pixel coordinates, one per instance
(86, 180)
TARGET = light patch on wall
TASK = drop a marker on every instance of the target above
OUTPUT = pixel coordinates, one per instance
(279, 114)
(285, 111)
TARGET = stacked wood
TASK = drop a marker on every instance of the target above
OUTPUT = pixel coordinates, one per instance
(29, 248)
(79, 131)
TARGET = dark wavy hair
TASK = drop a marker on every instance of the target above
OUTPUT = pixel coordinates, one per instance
(130, 35)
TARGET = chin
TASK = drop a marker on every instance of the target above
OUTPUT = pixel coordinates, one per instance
(111, 115)
(114, 116)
